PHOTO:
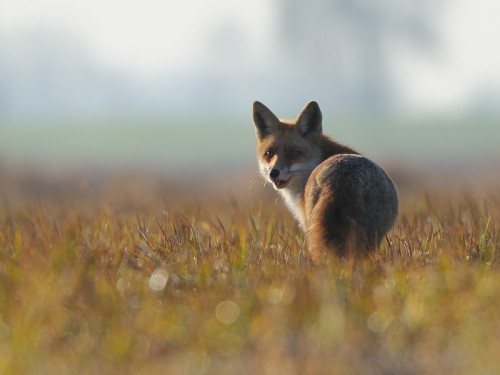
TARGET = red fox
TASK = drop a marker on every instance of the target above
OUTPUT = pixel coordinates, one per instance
(344, 202)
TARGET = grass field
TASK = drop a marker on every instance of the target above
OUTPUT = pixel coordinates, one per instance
(133, 273)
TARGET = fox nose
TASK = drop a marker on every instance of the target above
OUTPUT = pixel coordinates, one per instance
(274, 173)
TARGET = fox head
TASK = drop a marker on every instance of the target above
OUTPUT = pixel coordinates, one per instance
(288, 150)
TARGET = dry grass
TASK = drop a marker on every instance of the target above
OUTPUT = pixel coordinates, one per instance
(134, 274)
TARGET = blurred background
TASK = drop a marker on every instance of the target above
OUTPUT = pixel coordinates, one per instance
(168, 86)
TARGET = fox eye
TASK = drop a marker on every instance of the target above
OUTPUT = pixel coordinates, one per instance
(294, 154)
(269, 154)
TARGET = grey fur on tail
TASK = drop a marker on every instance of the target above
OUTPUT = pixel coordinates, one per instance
(352, 204)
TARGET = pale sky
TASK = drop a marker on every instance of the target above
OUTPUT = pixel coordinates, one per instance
(470, 38)
(145, 36)
(148, 37)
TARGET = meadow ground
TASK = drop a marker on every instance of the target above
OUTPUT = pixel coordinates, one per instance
(133, 273)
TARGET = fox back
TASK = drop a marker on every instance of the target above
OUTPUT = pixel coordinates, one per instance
(344, 202)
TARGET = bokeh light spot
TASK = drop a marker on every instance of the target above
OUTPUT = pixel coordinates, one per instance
(227, 312)
(158, 280)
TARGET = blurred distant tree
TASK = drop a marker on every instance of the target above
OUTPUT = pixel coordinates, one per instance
(346, 44)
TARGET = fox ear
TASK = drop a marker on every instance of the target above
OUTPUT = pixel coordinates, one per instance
(264, 120)
(309, 120)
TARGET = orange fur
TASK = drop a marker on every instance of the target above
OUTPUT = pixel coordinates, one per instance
(344, 202)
